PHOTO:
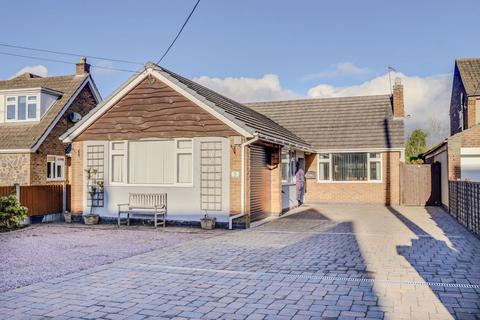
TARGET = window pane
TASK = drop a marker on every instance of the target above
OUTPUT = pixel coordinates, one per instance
(375, 155)
(10, 112)
(184, 144)
(324, 171)
(151, 162)
(324, 156)
(32, 111)
(375, 170)
(59, 171)
(349, 166)
(32, 98)
(22, 108)
(118, 146)
(117, 168)
(49, 170)
(184, 167)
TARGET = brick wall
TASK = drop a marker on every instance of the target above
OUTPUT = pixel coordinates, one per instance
(276, 187)
(14, 168)
(52, 145)
(469, 138)
(386, 192)
(76, 165)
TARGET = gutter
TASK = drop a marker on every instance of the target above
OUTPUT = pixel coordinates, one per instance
(242, 183)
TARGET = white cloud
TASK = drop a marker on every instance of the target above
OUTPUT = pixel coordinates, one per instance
(342, 69)
(39, 70)
(245, 89)
(427, 100)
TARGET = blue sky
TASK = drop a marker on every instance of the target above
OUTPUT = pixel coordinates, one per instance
(342, 46)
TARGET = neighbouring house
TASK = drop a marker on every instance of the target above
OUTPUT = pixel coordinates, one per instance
(459, 154)
(34, 112)
(160, 132)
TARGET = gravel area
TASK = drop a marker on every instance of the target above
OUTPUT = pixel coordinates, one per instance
(46, 251)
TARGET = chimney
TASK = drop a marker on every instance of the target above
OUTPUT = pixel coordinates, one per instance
(398, 104)
(82, 67)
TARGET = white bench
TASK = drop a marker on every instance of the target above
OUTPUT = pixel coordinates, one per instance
(145, 203)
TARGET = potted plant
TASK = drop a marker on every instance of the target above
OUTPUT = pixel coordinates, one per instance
(93, 188)
(207, 222)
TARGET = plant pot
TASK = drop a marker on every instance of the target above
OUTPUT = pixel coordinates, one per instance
(208, 223)
(67, 217)
(90, 219)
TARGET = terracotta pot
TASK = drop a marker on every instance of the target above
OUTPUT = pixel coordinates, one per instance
(90, 219)
(208, 223)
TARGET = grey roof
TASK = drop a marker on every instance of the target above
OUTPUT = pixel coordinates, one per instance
(25, 135)
(339, 123)
(248, 119)
(470, 73)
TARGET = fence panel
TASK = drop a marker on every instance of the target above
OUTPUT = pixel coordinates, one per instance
(419, 185)
(5, 191)
(41, 200)
(464, 204)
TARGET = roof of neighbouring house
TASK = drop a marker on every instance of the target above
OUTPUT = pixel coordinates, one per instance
(339, 123)
(469, 69)
(23, 136)
(249, 120)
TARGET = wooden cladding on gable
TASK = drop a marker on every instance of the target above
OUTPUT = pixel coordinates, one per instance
(154, 110)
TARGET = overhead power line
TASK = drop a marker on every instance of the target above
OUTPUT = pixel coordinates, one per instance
(67, 53)
(62, 61)
(179, 32)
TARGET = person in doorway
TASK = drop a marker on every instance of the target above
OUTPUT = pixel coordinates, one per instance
(300, 183)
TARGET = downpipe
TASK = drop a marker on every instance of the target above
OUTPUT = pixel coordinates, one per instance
(242, 182)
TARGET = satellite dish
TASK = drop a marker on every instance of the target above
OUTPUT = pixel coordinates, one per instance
(74, 117)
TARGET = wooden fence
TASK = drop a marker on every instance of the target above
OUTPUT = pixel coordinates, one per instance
(420, 185)
(464, 204)
(40, 200)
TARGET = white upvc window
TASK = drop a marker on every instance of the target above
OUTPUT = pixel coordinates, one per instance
(55, 168)
(21, 108)
(151, 162)
(349, 167)
(288, 167)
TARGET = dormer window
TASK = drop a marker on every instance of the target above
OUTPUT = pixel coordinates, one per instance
(21, 108)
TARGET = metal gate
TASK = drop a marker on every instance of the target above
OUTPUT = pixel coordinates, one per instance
(260, 183)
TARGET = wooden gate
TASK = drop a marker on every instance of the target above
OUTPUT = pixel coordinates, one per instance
(420, 185)
(41, 200)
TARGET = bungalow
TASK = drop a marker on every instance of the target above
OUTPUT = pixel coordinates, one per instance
(34, 112)
(160, 132)
(459, 154)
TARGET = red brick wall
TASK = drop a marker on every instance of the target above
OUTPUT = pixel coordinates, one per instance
(468, 139)
(276, 187)
(76, 165)
(385, 192)
(235, 182)
(52, 145)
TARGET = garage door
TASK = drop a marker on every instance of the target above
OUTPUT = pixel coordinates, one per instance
(260, 183)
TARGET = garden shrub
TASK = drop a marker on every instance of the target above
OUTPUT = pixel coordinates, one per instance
(11, 212)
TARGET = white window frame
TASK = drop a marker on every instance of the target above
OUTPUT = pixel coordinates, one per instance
(369, 159)
(125, 153)
(58, 160)
(27, 96)
(288, 161)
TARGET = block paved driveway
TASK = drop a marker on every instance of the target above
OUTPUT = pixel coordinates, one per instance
(320, 261)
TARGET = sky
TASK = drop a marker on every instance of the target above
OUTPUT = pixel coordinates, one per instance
(254, 50)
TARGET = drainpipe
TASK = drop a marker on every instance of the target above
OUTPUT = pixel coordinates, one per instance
(242, 182)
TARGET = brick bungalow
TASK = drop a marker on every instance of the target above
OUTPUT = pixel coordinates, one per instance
(34, 112)
(459, 154)
(161, 132)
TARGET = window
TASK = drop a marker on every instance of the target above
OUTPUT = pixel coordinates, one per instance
(324, 167)
(184, 161)
(21, 108)
(55, 167)
(152, 162)
(350, 167)
(288, 166)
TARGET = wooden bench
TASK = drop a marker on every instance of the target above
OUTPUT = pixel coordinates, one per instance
(145, 203)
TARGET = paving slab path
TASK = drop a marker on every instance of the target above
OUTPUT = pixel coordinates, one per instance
(319, 261)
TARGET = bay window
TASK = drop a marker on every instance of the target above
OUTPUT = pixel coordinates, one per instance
(21, 108)
(55, 167)
(156, 162)
(349, 167)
